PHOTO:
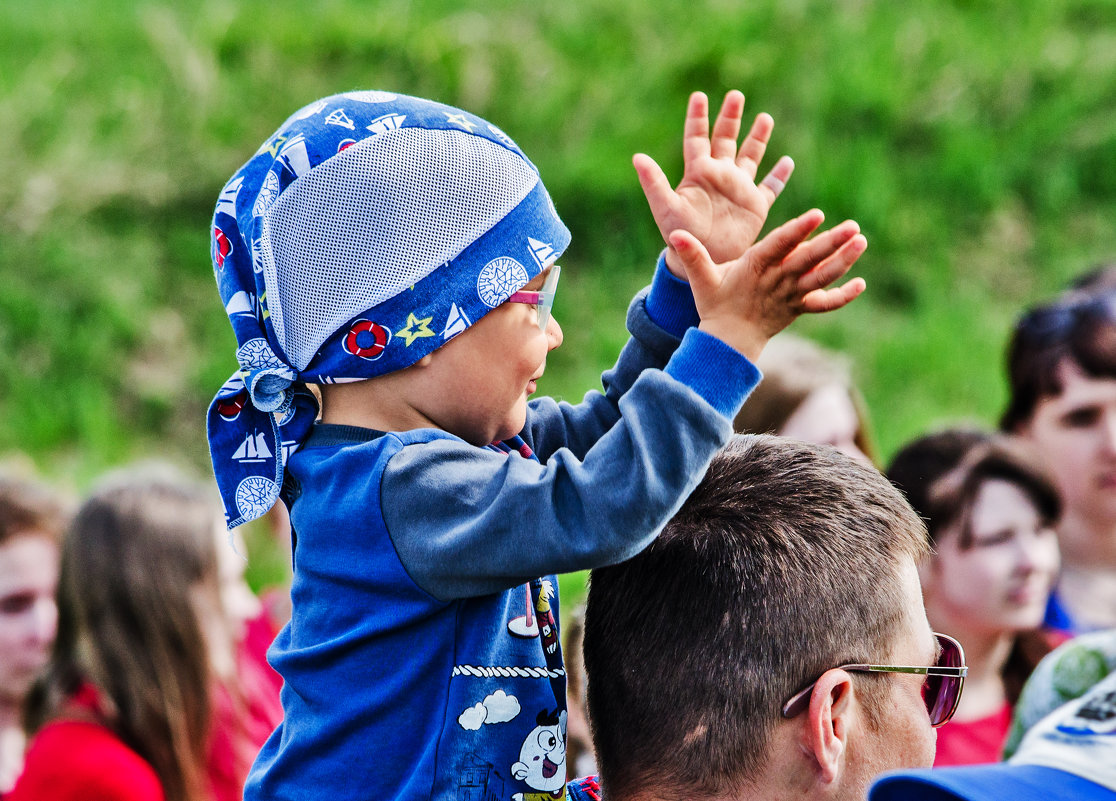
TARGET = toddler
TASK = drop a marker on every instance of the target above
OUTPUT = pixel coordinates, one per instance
(401, 255)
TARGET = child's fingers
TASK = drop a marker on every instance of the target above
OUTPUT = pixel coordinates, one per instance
(778, 244)
(807, 256)
(656, 186)
(775, 181)
(695, 136)
(834, 266)
(826, 300)
(700, 270)
(755, 144)
(726, 129)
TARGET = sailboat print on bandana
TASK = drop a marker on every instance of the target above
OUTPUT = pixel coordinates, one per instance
(253, 449)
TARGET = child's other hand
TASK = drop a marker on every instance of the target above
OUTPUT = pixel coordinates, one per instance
(718, 199)
(746, 301)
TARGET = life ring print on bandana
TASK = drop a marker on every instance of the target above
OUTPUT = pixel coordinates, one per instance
(366, 340)
(500, 279)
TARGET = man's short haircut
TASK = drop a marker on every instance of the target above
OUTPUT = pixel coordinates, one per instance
(30, 507)
(1078, 328)
(783, 563)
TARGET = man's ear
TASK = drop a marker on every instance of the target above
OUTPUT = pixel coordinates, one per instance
(826, 731)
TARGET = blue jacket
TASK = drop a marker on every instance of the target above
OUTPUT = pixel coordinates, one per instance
(422, 658)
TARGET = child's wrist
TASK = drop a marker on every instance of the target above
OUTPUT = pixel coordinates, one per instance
(670, 303)
(744, 338)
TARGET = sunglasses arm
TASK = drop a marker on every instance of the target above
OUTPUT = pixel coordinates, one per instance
(798, 702)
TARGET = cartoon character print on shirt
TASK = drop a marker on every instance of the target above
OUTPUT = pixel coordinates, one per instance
(525, 626)
(537, 621)
(548, 627)
(542, 759)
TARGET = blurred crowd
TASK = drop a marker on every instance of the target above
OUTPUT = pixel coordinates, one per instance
(133, 653)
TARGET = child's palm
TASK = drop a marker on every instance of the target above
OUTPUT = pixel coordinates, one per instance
(718, 199)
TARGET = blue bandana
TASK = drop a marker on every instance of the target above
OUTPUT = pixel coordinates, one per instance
(369, 230)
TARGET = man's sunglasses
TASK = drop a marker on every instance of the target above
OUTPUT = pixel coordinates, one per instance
(940, 692)
(543, 300)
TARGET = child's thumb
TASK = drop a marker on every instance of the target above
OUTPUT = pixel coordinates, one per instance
(700, 270)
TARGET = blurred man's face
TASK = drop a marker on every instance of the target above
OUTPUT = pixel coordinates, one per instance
(1076, 433)
(28, 611)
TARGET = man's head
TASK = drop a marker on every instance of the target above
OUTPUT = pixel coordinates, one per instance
(788, 560)
(1062, 383)
(31, 524)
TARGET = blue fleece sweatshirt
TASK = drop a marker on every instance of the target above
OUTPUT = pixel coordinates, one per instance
(422, 656)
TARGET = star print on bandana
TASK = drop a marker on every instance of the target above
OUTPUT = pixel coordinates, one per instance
(461, 121)
(415, 329)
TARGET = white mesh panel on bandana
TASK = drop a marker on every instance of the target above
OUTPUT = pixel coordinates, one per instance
(376, 218)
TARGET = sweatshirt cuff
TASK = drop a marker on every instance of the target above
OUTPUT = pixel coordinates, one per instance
(670, 304)
(723, 376)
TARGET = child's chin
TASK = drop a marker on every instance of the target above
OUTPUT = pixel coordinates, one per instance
(513, 428)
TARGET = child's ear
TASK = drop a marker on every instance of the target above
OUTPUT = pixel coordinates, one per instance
(425, 360)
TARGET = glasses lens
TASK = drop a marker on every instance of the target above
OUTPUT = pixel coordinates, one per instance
(546, 296)
(941, 693)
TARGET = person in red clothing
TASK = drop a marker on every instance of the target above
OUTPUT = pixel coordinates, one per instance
(245, 693)
(990, 511)
(32, 518)
(143, 698)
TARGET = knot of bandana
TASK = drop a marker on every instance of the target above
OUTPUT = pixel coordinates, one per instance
(367, 232)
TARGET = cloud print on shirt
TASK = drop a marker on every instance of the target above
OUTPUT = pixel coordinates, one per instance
(499, 707)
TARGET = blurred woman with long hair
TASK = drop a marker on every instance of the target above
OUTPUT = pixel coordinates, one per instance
(990, 512)
(140, 684)
(808, 393)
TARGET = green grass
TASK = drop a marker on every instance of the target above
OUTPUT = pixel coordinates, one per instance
(974, 142)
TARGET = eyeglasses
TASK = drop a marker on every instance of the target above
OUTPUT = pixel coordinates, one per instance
(543, 299)
(940, 692)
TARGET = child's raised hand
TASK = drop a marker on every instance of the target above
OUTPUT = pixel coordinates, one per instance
(746, 301)
(718, 199)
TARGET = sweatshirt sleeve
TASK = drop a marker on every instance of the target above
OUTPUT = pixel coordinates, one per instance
(468, 521)
(657, 320)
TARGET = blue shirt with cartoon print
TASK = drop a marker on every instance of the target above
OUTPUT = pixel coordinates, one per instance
(422, 657)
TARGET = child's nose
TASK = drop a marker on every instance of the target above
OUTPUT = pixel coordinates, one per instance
(553, 333)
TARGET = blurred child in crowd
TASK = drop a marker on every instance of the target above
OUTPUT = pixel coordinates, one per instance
(1062, 383)
(140, 701)
(990, 511)
(32, 518)
(807, 393)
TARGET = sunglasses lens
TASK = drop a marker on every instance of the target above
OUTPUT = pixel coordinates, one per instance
(941, 693)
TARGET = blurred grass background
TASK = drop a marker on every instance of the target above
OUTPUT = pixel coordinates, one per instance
(975, 142)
